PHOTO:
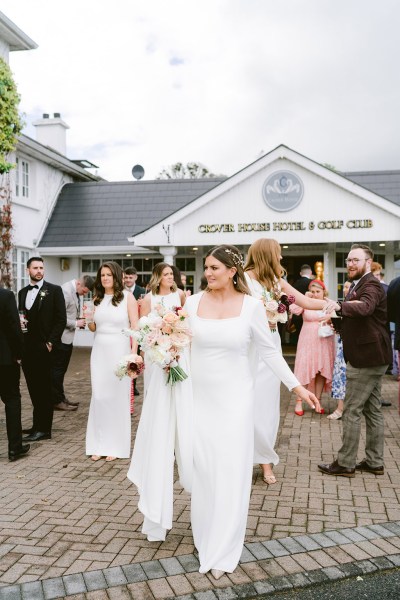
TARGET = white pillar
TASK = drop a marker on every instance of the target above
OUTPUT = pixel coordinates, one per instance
(168, 253)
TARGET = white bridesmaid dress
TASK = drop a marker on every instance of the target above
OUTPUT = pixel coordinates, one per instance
(267, 397)
(223, 394)
(164, 434)
(109, 425)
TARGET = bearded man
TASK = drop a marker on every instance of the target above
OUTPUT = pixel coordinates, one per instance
(367, 352)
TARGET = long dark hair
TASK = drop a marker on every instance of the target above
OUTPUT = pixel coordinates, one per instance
(231, 257)
(118, 285)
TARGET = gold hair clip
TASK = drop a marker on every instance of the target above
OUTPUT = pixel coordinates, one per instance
(237, 258)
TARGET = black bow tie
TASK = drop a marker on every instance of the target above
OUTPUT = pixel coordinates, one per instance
(31, 287)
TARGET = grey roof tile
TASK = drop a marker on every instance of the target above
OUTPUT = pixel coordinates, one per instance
(107, 213)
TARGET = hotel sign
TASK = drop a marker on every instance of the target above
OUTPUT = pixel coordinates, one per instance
(285, 226)
(283, 191)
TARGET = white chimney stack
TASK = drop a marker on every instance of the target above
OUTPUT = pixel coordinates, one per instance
(52, 132)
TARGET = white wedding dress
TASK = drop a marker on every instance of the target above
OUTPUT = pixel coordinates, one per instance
(164, 433)
(223, 394)
(267, 397)
(109, 425)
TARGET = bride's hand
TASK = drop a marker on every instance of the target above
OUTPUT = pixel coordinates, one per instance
(308, 397)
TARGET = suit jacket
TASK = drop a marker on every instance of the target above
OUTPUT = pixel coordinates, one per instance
(47, 317)
(10, 329)
(301, 285)
(138, 291)
(72, 307)
(393, 298)
(364, 331)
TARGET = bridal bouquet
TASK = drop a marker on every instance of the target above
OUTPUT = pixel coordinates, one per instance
(130, 366)
(276, 304)
(163, 334)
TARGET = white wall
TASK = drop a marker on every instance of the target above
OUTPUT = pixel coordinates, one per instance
(4, 50)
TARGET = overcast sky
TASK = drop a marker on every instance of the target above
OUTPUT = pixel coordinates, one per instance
(215, 81)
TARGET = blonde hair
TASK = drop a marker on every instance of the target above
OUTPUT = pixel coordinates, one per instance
(319, 284)
(154, 283)
(264, 259)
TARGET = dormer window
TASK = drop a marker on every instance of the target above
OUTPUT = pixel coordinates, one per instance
(22, 178)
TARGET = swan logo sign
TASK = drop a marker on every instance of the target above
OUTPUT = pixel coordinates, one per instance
(283, 191)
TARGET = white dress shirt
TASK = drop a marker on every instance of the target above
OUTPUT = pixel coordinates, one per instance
(31, 295)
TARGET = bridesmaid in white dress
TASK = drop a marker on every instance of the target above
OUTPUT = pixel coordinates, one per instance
(166, 424)
(226, 322)
(264, 272)
(109, 425)
(163, 290)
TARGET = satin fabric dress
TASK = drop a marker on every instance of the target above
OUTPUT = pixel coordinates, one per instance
(267, 396)
(164, 434)
(109, 424)
(223, 394)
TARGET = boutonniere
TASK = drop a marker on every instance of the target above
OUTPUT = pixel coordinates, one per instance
(43, 293)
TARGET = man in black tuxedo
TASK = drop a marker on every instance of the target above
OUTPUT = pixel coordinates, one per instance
(10, 359)
(301, 285)
(44, 307)
(130, 278)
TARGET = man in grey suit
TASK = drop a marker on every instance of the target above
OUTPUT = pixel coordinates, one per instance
(73, 291)
(367, 352)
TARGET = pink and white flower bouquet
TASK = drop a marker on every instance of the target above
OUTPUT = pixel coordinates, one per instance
(276, 304)
(131, 366)
(163, 334)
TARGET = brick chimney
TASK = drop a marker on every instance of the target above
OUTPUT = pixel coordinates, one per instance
(51, 131)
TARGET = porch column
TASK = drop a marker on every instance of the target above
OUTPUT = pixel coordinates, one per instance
(168, 253)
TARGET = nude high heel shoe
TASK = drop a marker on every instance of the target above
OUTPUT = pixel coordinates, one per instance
(217, 574)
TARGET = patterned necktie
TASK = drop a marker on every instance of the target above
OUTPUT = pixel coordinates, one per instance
(351, 288)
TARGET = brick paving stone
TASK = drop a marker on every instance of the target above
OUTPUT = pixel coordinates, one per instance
(275, 548)
(114, 576)
(322, 558)
(333, 573)
(53, 588)
(95, 580)
(291, 544)
(299, 580)
(371, 549)
(316, 576)
(199, 581)
(32, 591)
(12, 592)
(395, 559)
(74, 584)
(134, 573)
(153, 569)
(336, 536)
(160, 588)
(171, 566)
(209, 595)
(351, 569)
(307, 542)
(394, 527)
(382, 562)
(281, 583)
(119, 593)
(258, 550)
(322, 540)
(385, 545)
(140, 591)
(246, 555)
(381, 530)
(96, 595)
(367, 533)
(288, 564)
(254, 571)
(189, 562)
(262, 587)
(352, 535)
(180, 585)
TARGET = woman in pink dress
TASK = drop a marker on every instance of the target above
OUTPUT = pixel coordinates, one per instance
(315, 355)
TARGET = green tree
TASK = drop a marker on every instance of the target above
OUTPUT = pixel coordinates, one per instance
(10, 128)
(190, 170)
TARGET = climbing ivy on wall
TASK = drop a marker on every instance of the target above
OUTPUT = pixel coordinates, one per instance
(10, 128)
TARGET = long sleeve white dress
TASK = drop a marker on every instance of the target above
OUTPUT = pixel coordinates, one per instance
(223, 395)
(267, 398)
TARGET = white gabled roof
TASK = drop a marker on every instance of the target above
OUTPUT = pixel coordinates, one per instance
(14, 36)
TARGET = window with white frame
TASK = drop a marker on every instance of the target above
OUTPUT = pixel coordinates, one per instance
(20, 257)
(22, 178)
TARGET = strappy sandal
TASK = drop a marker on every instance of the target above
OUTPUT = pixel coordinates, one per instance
(110, 458)
(268, 479)
(336, 415)
(95, 457)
